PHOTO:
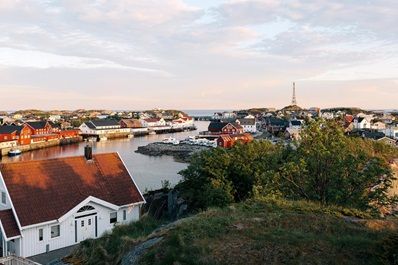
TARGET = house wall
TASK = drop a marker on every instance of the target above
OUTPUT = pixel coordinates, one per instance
(25, 136)
(392, 132)
(30, 237)
(249, 128)
(8, 144)
(86, 130)
(8, 137)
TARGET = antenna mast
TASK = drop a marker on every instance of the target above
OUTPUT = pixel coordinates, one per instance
(294, 100)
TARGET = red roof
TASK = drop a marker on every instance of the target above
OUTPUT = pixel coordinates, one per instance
(348, 118)
(9, 223)
(45, 190)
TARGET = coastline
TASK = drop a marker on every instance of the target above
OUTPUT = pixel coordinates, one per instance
(181, 152)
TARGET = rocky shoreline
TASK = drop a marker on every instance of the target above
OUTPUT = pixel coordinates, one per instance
(180, 152)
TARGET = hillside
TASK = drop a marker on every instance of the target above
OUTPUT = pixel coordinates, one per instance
(256, 232)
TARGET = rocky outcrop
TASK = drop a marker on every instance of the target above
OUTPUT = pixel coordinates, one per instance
(164, 204)
(180, 152)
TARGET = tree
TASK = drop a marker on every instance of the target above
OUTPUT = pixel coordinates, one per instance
(324, 166)
(332, 168)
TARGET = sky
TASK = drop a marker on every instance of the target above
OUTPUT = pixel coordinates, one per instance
(198, 54)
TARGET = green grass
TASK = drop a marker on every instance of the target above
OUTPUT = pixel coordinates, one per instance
(110, 248)
(276, 232)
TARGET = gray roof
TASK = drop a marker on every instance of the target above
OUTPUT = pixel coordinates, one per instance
(37, 124)
(10, 129)
(247, 121)
(276, 121)
(94, 124)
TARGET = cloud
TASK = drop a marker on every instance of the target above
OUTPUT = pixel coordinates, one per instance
(152, 12)
(36, 59)
(203, 47)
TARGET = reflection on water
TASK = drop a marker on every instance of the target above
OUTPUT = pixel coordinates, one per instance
(148, 172)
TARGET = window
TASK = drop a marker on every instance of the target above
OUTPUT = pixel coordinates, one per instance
(86, 208)
(82, 223)
(89, 221)
(55, 231)
(124, 215)
(113, 217)
(41, 234)
(3, 198)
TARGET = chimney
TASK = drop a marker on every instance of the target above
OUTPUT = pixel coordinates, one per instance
(88, 152)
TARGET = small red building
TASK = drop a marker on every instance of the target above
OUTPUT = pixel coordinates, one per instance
(229, 140)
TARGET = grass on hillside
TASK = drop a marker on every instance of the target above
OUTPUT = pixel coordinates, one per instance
(110, 248)
(278, 232)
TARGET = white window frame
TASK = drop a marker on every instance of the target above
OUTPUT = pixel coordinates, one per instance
(110, 217)
(59, 231)
(4, 196)
(41, 233)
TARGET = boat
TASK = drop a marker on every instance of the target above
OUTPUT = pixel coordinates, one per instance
(15, 152)
(169, 140)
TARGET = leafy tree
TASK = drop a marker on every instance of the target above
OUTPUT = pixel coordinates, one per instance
(334, 169)
(324, 166)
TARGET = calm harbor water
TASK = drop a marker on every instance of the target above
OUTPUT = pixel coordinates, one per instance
(148, 172)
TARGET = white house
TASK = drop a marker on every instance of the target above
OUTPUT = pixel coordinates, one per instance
(228, 115)
(249, 125)
(102, 127)
(153, 122)
(380, 126)
(51, 204)
(327, 115)
(183, 122)
(392, 132)
(293, 133)
(54, 118)
(362, 123)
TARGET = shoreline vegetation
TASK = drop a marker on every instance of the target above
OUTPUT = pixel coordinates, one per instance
(323, 200)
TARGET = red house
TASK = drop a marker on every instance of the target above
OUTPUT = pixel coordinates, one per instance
(12, 132)
(40, 127)
(9, 133)
(229, 140)
(25, 135)
(217, 127)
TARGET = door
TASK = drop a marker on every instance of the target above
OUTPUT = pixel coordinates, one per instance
(85, 227)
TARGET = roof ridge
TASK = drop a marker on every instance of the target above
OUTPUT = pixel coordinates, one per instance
(53, 158)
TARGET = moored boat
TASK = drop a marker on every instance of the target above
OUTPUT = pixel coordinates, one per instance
(14, 152)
